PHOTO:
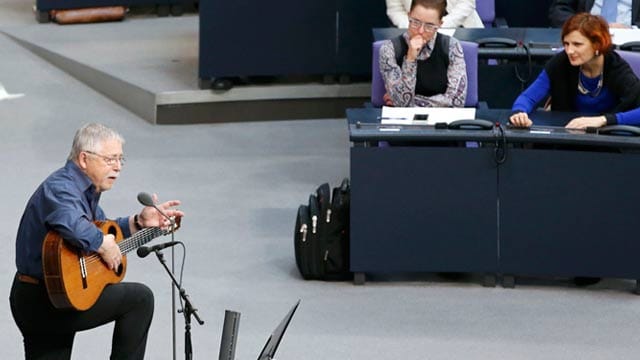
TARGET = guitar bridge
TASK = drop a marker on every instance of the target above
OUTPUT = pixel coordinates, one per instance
(83, 269)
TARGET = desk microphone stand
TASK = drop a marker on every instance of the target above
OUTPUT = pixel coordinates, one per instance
(188, 310)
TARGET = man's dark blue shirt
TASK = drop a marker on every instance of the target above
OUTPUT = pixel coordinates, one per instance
(66, 202)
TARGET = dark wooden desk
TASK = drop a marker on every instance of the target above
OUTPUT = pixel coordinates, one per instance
(568, 204)
(561, 203)
(420, 208)
(286, 38)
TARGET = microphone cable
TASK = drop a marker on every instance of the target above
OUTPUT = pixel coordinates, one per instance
(524, 80)
(500, 149)
(181, 273)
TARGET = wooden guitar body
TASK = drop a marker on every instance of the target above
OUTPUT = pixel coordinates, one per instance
(75, 278)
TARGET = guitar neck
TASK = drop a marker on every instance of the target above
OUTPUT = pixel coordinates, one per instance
(140, 238)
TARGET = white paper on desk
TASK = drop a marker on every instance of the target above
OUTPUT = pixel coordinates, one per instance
(447, 31)
(404, 115)
(621, 36)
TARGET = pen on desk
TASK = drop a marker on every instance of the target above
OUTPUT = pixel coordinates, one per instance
(391, 118)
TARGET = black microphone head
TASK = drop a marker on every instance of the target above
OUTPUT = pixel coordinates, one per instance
(143, 251)
(145, 199)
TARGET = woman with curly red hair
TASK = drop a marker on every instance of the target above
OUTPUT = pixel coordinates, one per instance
(587, 77)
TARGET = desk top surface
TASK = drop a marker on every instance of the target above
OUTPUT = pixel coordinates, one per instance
(364, 126)
(540, 42)
(536, 42)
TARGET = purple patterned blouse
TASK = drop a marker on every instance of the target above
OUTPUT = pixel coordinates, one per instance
(400, 81)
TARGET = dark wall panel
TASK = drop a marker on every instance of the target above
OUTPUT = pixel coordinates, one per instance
(524, 13)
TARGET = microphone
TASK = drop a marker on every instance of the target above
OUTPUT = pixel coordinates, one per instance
(146, 200)
(143, 251)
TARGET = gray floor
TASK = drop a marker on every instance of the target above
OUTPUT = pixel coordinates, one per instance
(240, 185)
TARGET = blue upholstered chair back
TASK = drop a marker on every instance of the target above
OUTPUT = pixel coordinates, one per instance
(470, 50)
(487, 11)
(377, 84)
(633, 58)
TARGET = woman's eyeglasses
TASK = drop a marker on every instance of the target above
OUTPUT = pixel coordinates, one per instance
(417, 24)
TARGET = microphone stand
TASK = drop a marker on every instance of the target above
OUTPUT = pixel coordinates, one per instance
(173, 288)
(147, 200)
(188, 310)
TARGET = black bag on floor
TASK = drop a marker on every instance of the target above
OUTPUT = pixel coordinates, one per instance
(321, 236)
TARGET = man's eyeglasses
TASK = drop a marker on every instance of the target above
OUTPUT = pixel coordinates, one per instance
(109, 160)
(417, 24)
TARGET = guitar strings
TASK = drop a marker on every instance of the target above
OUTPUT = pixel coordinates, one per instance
(136, 240)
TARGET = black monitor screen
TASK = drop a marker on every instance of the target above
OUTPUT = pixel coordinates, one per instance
(271, 346)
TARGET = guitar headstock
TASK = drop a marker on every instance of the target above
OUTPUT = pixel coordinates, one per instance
(176, 221)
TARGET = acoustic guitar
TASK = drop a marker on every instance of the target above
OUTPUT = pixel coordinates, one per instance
(75, 278)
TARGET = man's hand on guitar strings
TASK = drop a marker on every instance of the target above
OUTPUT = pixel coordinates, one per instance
(109, 251)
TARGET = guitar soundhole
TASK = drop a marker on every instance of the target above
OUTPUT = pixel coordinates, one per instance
(118, 271)
(112, 230)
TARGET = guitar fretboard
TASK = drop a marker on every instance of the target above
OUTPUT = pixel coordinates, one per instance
(140, 238)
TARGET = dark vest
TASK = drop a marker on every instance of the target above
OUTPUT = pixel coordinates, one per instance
(432, 72)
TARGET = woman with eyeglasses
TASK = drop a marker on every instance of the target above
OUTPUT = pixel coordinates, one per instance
(460, 13)
(587, 77)
(423, 67)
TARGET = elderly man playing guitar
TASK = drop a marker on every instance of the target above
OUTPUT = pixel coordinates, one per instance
(70, 258)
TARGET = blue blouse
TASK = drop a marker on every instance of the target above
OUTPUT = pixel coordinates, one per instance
(604, 102)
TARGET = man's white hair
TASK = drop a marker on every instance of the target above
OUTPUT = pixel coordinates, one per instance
(90, 136)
